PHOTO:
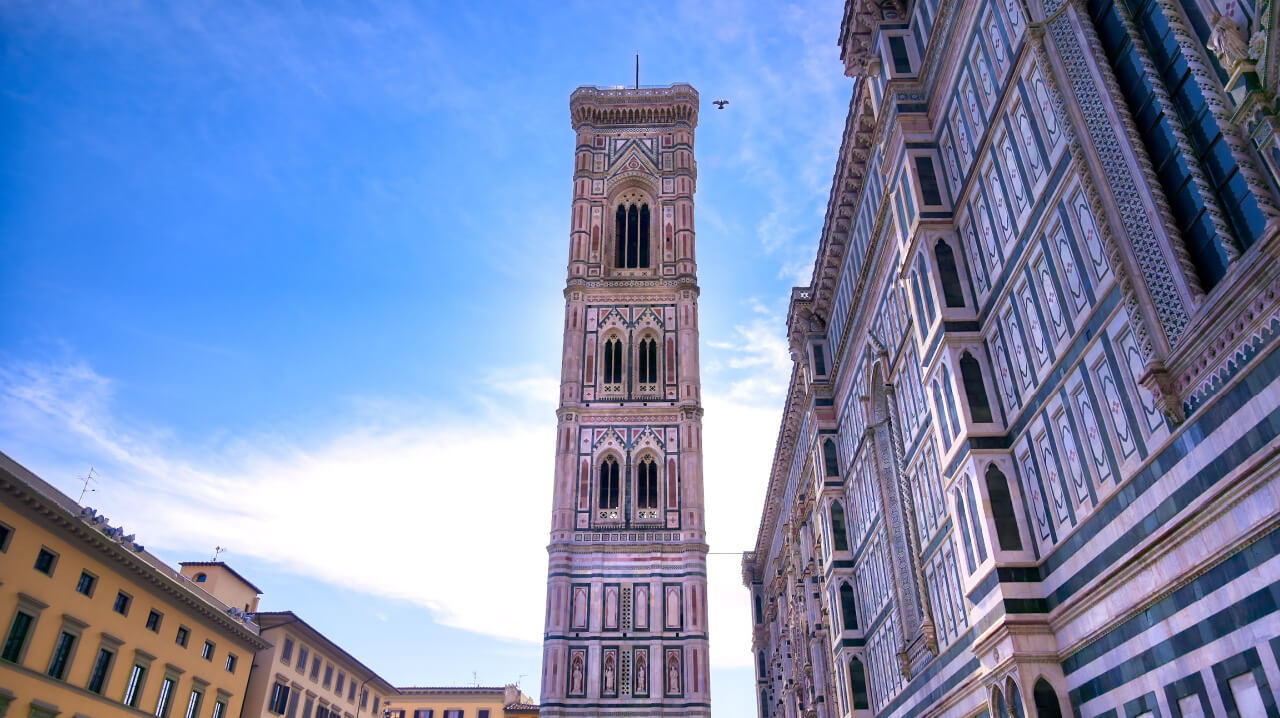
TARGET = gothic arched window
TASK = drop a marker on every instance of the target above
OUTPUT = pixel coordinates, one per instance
(1046, 700)
(858, 684)
(647, 483)
(759, 610)
(609, 483)
(952, 294)
(962, 523)
(975, 390)
(760, 663)
(631, 236)
(839, 537)
(830, 459)
(1002, 510)
(612, 361)
(848, 612)
(647, 361)
(973, 520)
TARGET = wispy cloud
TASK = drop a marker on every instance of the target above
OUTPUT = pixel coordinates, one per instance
(452, 506)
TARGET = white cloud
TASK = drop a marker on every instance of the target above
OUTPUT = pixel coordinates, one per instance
(443, 511)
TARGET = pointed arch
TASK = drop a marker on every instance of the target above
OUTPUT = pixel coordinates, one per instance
(1045, 700)
(962, 525)
(848, 609)
(830, 457)
(611, 360)
(975, 389)
(839, 534)
(1014, 698)
(1002, 510)
(760, 669)
(609, 484)
(620, 237)
(643, 239)
(647, 360)
(759, 609)
(952, 293)
(858, 684)
(646, 483)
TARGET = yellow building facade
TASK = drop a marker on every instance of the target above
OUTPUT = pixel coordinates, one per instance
(461, 702)
(303, 674)
(97, 627)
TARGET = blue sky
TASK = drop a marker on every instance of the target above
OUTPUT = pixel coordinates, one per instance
(288, 276)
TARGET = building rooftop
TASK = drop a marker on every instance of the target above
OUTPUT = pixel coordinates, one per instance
(269, 620)
(222, 564)
(122, 550)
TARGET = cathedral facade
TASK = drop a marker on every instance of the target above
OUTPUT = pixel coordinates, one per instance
(1028, 459)
(626, 621)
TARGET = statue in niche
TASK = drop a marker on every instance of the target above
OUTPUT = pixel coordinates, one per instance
(673, 674)
(642, 673)
(575, 676)
(609, 684)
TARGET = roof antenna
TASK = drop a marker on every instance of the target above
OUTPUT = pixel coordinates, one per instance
(87, 479)
(637, 71)
(217, 550)
(475, 680)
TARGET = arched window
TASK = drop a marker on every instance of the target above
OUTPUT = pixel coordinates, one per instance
(631, 236)
(951, 400)
(759, 610)
(764, 702)
(830, 459)
(201, 578)
(1046, 700)
(848, 611)
(613, 361)
(975, 390)
(760, 663)
(1014, 696)
(962, 523)
(609, 483)
(647, 484)
(858, 684)
(839, 537)
(926, 284)
(620, 237)
(647, 361)
(973, 520)
(952, 294)
(1000, 708)
(941, 412)
(1002, 510)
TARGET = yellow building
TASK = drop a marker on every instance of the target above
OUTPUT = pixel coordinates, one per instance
(305, 675)
(97, 627)
(462, 702)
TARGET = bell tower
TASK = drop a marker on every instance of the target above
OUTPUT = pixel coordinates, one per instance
(626, 622)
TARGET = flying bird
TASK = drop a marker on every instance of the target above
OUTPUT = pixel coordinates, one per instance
(720, 104)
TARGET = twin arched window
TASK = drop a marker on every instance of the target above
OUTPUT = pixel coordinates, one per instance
(609, 483)
(647, 484)
(647, 361)
(613, 361)
(631, 233)
(610, 488)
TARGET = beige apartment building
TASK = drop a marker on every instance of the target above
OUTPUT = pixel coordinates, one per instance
(97, 627)
(462, 702)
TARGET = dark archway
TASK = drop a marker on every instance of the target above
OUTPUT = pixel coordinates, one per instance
(1045, 700)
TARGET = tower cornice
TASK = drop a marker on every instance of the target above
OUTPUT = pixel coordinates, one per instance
(622, 106)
